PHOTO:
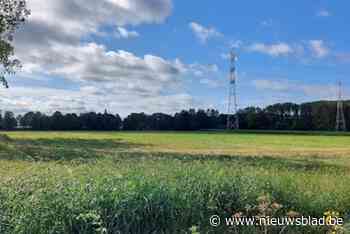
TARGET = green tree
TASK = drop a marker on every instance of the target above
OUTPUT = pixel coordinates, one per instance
(13, 13)
(9, 121)
(57, 121)
(1, 127)
(182, 120)
(136, 121)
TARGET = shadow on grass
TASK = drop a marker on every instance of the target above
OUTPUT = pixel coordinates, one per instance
(59, 149)
(269, 162)
(85, 150)
(75, 143)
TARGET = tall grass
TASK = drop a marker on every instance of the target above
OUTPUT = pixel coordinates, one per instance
(60, 188)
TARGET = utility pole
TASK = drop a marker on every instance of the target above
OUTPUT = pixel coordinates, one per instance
(340, 122)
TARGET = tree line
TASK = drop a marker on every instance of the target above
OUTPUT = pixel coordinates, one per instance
(317, 116)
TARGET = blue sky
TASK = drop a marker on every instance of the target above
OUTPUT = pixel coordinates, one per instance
(163, 55)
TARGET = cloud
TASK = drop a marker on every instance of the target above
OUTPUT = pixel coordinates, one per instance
(225, 56)
(275, 50)
(283, 86)
(79, 16)
(323, 13)
(303, 50)
(202, 70)
(235, 44)
(92, 98)
(212, 83)
(67, 21)
(125, 34)
(93, 63)
(280, 86)
(318, 48)
(203, 33)
(54, 44)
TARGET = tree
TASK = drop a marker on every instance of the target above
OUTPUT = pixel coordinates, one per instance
(13, 13)
(71, 122)
(57, 121)
(118, 122)
(26, 120)
(202, 120)
(1, 127)
(213, 118)
(136, 121)
(111, 122)
(160, 121)
(182, 120)
(38, 121)
(9, 121)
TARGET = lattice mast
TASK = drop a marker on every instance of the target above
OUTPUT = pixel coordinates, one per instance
(340, 122)
(232, 112)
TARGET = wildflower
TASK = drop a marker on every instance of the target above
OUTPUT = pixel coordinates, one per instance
(293, 214)
(237, 215)
(276, 206)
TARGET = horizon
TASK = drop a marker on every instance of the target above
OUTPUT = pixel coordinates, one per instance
(2, 111)
(133, 56)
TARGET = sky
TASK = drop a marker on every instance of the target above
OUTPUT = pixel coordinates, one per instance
(167, 55)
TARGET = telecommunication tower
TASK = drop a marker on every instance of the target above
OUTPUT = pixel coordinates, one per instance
(340, 122)
(232, 112)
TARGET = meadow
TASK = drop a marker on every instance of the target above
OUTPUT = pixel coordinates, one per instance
(170, 182)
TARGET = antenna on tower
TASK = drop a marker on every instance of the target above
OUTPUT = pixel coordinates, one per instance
(340, 122)
(232, 112)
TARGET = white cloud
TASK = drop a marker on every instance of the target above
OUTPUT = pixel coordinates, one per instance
(315, 48)
(212, 83)
(66, 22)
(225, 56)
(110, 96)
(207, 74)
(79, 16)
(284, 86)
(202, 70)
(280, 85)
(324, 13)
(95, 77)
(118, 78)
(235, 44)
(318, 48)
(275, 50)
(93, 62)
(50, 45)
(204, 33)
(149, 78)
(125, 34)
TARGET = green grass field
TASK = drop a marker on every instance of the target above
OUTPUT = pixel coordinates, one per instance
(86, 182)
